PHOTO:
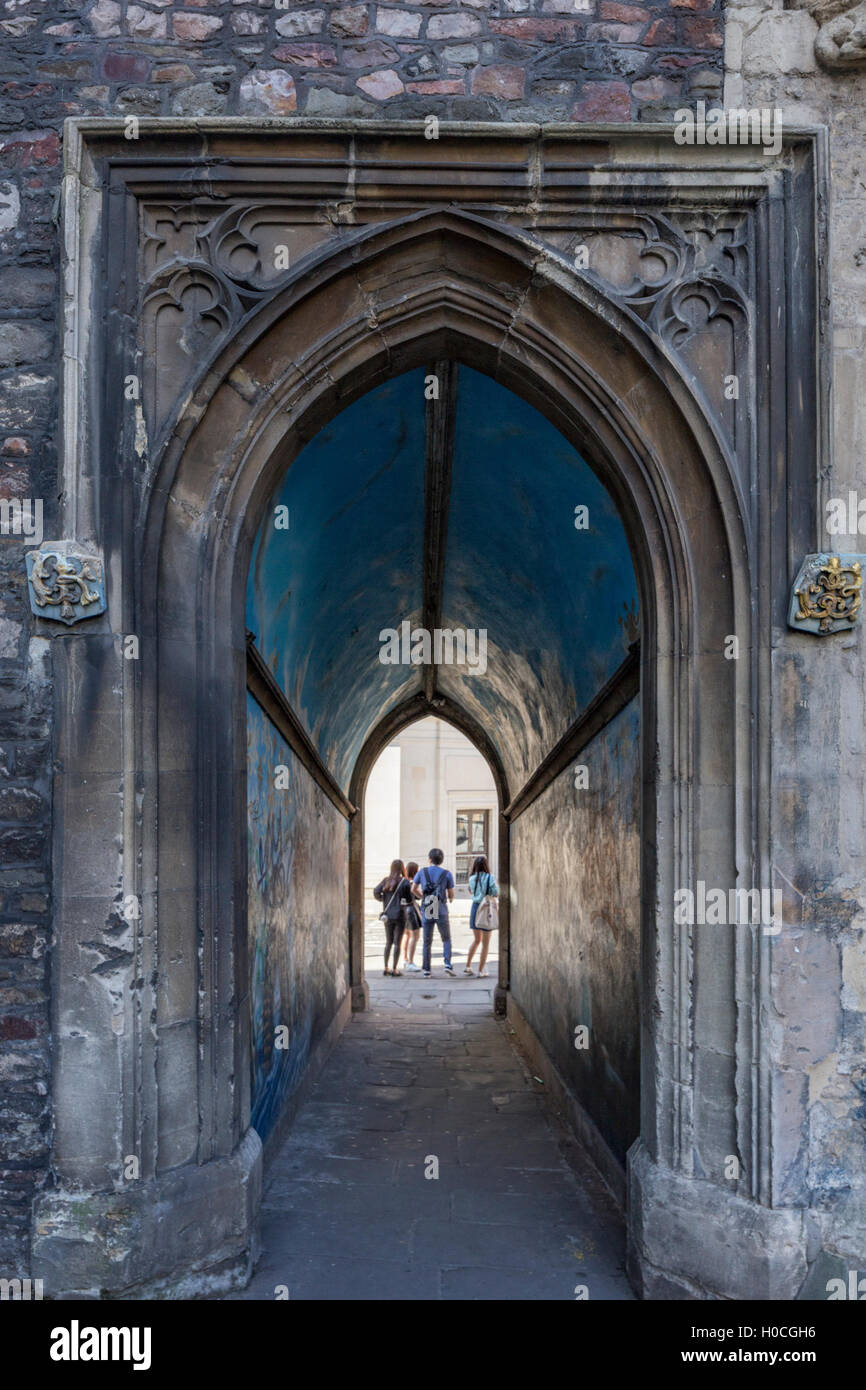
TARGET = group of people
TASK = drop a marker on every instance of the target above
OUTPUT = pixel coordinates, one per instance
(416, 900)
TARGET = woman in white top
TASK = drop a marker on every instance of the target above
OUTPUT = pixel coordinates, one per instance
(481, 885)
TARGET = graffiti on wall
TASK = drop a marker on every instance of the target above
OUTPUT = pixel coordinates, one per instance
(575, 869)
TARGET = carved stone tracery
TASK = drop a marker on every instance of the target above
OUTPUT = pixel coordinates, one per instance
(208, 265)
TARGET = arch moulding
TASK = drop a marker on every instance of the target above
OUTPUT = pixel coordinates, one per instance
(396, 259)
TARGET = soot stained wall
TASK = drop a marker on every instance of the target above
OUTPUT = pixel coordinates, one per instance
(575, 930)
(298, 941)
(485, 59)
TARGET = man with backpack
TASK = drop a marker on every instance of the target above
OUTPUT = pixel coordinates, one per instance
(437, 890)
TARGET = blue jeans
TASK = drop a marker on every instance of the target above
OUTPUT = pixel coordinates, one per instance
(445, 932)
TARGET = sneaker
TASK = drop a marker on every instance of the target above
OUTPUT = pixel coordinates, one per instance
(467, 971)
(449, 970)
(410, 965)
(427, 974)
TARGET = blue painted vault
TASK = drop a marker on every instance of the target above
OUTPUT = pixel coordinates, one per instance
(534, 555)
(558, 603)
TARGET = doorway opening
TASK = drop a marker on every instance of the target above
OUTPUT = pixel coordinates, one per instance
(441, 557)
(410, 280)
(414, 804)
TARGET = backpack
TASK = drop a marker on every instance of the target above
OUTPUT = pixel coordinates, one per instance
(431, 900)
(487, 914)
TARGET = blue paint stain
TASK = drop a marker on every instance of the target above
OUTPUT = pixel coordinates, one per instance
(298, 865)
(559, 606)
(348, 566)
(554, 600)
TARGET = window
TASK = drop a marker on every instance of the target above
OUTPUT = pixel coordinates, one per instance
(472, 840)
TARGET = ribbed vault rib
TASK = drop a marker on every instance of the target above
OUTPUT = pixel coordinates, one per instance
(441, 414)
(606, 705)
(269, 694)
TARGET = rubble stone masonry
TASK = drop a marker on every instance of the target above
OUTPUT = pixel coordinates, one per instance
(557, 60)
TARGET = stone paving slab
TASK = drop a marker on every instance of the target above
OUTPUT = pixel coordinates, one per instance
(350, 1211)
(341, 1279)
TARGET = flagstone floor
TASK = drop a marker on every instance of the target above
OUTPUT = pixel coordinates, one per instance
(428, 1163)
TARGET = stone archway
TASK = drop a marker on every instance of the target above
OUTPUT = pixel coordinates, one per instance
(436, 282)
(393, 724)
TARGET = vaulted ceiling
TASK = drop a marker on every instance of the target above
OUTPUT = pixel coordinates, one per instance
(454, 513)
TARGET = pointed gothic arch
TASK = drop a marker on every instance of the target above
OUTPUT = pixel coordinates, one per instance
(437, 283)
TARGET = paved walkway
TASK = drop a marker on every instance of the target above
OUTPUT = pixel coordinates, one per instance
(426, 1074)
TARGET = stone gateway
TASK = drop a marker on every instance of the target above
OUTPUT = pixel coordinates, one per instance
(239, 242)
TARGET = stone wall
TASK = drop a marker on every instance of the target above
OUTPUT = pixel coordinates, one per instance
(818, 1047)
(24, 923)
(298, 945)
(480, 59)
(509, 60)
(28, 311)
(575, 927)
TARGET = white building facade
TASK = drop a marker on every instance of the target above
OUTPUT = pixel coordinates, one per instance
(430, 788)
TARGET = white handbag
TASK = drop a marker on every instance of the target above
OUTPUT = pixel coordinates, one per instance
(487, 916)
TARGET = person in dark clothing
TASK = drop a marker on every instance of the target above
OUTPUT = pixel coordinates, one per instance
(393, 892)
(411, 923)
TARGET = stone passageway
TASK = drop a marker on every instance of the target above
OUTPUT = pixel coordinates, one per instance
(431, 467)
(428, 1071)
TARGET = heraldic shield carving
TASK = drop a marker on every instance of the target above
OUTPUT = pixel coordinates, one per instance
(827, 594)
(66, 582)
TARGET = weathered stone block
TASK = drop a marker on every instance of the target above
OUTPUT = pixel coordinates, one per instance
(247, 22)
(299, 22)
(199, 99)
(505, 82)
(125, 67)
(144, 24)
(698, 1235)
(195, 28)
(381, 85)
(272, 91)
(399, 24)
(307, 55)
(349, 23)
(457, 26)
(104, 19)
(603, 101)
(782, 42)
(371, 54)
(121, 1244)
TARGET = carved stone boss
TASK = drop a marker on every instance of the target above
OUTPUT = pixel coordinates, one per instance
(840, 44)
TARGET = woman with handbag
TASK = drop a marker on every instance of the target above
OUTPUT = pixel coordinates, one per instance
(393, 891)
(483, 914)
